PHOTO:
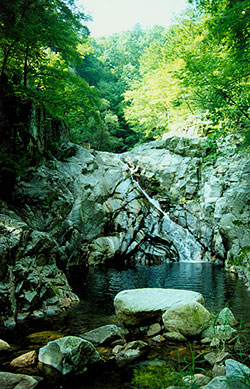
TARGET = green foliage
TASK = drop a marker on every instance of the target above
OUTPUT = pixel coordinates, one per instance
(243, 259)
(154, 377)
(119, 91)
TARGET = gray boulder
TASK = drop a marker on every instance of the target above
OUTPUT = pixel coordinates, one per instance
(218, 333)
(235, 368)
(69, 354)
(18, 381)
(103, 336)
(137, 306)
(223, 382)
(187, 318)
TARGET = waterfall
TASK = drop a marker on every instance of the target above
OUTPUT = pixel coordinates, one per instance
(189, 249)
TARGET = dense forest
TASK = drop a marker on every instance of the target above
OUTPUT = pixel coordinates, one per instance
(128, 88)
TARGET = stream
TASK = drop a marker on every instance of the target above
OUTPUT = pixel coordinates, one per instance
(97, 288)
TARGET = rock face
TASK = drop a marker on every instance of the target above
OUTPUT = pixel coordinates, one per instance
(137, 306)
(69, 354)
(163, 201)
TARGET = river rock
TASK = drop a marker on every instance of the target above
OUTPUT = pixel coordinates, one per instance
(197, 380)
(129, 352)
(18, 381)
(187, 318)
(216, 357)
(218, 333)
(103, 336)
(224, 382)
(154, 329)
(26, 359)
(236, 369)
(174, 335)
(226, 317)
(218, 370)
(137, 306)
(4, 346)
(69, 354)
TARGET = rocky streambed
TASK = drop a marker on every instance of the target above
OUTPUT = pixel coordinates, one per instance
(157, 330)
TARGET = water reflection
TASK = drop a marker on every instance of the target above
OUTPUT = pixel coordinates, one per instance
(100, 285)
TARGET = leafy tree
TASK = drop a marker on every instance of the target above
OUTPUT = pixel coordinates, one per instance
(28, 28)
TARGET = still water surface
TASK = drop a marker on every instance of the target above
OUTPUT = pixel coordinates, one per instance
(99, 286)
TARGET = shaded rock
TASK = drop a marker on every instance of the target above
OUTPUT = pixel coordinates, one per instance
(4, 346)
(103, 335)
(214, 358)
(224, 382)
(70, 354)
(226, 317)
(197, 379)
(154, 329)
(219, 332)
(218, 370)
(158, 339)
(137, 306)
(174, 335)
(26, 359)
(235, 368)
(18, 381)
(188, 318)
(130, 352)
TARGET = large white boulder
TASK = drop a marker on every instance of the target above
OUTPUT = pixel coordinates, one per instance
(137, 306)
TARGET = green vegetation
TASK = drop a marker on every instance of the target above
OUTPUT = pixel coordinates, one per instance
(119, 91)
(243, 259)
(160, 376)
(154, 377)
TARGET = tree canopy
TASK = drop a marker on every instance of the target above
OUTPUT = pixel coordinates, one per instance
(133, 86)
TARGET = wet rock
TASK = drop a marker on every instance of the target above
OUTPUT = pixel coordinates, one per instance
(104, 335)
(18, 381)
(226, 317)
(130, 352)
(197, 380)
(26, 359)
(224, 382)
(4, 346)
(216, 357)
(218, 370)
(174, 335)
(70, 354)
(158, 339)
(187, 318)
(236, 369)
(154, 329)
(218, 333)
(137, 306)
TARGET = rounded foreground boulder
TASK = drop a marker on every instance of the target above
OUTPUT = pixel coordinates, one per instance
(135, 307)
(69, 354)
(189, 319)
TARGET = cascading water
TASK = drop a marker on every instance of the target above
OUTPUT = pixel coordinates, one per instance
(189, 249)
